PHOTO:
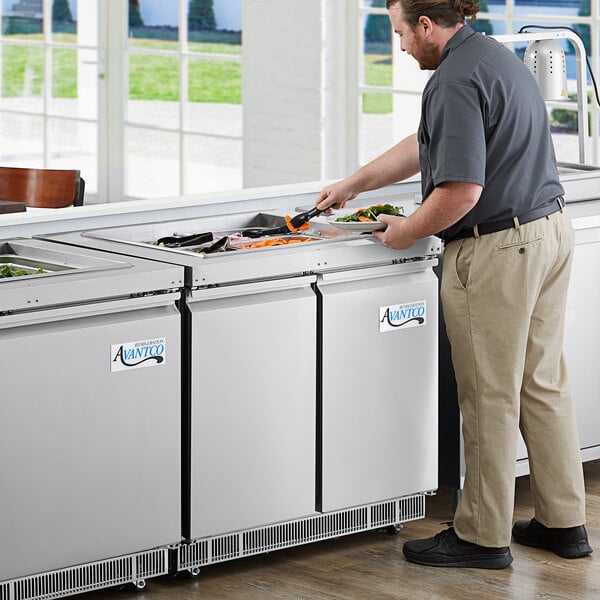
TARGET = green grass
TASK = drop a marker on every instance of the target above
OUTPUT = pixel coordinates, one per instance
(215, 81)
(151, 77)
(157, 77)
(209, 80)
(378, 72)
(375, 103)
(64, 70)
(22, 71)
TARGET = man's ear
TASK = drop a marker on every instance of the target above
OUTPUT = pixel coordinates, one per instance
(426, 23)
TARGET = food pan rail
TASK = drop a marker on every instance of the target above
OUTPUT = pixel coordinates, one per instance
(305, 259)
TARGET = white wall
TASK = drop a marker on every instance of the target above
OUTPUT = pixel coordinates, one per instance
(282, 82)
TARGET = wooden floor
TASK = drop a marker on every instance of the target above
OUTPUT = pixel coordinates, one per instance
(371, 566)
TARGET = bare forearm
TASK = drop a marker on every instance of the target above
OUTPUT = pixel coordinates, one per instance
(446, 205)
(442, 208)
(396, 164)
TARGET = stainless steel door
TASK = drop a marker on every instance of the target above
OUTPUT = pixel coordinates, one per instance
(379, 399)
(90, 465)
(253, 380)
(581, 342)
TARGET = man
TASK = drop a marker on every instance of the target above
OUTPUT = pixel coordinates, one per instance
(491, 191)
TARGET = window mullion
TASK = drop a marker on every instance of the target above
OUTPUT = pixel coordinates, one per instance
(47, 80)
(113, 95)
(183, 90)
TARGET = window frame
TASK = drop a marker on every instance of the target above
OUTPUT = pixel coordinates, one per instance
(510, 17)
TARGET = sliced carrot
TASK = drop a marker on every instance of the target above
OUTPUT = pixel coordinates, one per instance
(276, 242)
(365, 219)
(288, 222)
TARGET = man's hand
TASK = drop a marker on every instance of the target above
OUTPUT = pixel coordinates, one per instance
(336, 195)
(398, 163)
(448, 203)
(397, 235)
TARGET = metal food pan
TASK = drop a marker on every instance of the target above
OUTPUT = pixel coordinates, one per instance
(53, 259)
(29, 265)
(147, 234)
(16, 267)
(292, 240)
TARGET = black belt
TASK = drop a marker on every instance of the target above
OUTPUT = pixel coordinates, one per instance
(532, 215)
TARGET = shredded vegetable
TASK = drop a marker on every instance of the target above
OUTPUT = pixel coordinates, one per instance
(279, 241)
(7, 271)
(288, 222)
(371, 213)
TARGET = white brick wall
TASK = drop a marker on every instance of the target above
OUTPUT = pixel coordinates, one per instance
(282, 91)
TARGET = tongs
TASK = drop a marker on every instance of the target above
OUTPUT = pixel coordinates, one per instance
(177, 241)
(291, 225)
(219, 246)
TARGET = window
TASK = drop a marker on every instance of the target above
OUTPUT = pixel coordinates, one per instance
(49, 103)
(143, 96)
(183, 125)
(388, 77)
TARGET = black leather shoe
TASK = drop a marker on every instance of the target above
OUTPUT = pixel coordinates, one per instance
(568, 542)
(447, 550)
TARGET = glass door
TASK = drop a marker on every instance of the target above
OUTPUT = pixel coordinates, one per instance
(50, 69)
(183, 116)
(143, 97)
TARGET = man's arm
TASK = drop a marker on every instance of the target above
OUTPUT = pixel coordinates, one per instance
(398, 163)
(447, 203)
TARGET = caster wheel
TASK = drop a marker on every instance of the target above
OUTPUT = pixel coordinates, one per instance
(194, 572)
(139, 584)
(393, 529)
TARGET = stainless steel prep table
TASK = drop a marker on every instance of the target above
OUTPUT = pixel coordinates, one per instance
(90, 422)
(307, 418)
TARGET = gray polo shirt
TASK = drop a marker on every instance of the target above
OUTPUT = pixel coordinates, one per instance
(484, 121)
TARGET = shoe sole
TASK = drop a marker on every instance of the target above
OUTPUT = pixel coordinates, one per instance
(576, 550)
(471, 563)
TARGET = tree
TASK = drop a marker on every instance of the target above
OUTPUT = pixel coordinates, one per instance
(135, 17)
(483, 25)
(61, 11)
(378, 28)
(201, 15)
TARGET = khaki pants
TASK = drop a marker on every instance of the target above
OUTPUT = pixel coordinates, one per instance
(503, 296)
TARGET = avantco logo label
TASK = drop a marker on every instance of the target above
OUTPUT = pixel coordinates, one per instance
(403, 316)
(136, 355)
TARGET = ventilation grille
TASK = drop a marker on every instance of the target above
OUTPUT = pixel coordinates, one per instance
(92, 576)
(411, 508)
(225, 547)
(383, 514)
(151, 564)
(194, 554)
(302, 531)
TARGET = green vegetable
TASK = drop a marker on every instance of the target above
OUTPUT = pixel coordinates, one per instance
(370, 214)
(7, 271)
